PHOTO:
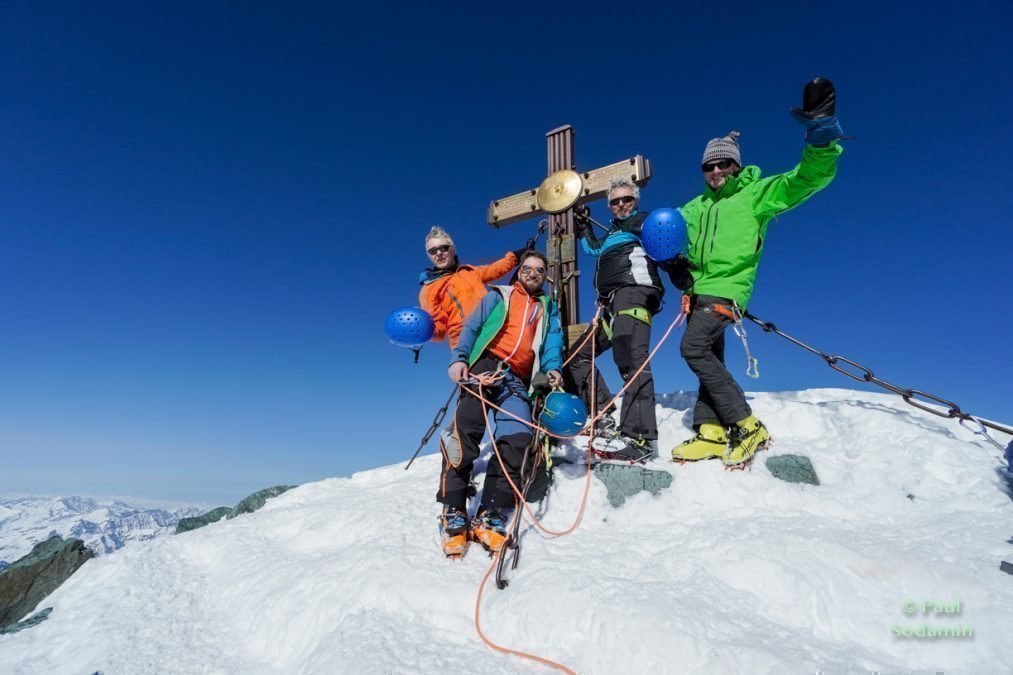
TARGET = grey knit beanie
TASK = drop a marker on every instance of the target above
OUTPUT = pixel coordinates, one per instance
(723, 148)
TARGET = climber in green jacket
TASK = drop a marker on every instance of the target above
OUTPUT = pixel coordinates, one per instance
(726, 228)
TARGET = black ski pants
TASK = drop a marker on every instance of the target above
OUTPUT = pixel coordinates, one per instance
(721, 400)
(630, 342)
(460, 442)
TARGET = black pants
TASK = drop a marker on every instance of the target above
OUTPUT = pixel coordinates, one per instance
(721, 400)
(630, 343)
(460, 442)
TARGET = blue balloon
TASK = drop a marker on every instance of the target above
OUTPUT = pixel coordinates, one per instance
(563, 414)
(409, 327)
(664, 234)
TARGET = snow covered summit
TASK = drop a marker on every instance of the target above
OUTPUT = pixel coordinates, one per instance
(722, 572)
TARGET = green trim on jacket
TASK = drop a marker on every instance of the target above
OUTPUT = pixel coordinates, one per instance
(494, 324)
(726, 229)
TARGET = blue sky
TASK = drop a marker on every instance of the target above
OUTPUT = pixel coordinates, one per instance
(206, 214)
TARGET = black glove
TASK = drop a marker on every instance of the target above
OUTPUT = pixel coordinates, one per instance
(540, 384)
(582, 220)
(528, 245)
(678, 269)
(819, 99)
(818, 113)
(582, 214)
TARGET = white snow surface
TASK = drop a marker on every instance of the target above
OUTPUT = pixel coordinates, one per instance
(723, 572)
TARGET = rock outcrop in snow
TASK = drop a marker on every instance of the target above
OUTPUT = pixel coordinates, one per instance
(29, 580)
(246, 505)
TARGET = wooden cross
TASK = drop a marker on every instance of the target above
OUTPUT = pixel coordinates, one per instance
(561, 246)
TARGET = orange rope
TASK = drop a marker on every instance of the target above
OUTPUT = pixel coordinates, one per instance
(519, 513)
(517, 492)
(500, 648)
(519, 495)
(677, 321)
(594, 329)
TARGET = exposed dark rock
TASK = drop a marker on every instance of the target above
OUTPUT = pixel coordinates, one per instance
(247, 505)
(793, 469)
(624, 481)
(29, 580)
(258, 499)
(35, 620)
(197, 522)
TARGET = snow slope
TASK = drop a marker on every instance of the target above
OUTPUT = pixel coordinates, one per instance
(722, 572)
(105, 525)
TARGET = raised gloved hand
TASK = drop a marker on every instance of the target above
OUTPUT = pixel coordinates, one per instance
(582, 220)
(678, 269)
(529, 244)
(818, 113)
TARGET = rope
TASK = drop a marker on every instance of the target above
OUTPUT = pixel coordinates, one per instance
(521, 506)
(590, 333)
(519, 496)
(677, 321)
(500, 648)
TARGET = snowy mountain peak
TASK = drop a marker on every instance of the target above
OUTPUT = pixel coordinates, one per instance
(720, 572)
(104, 525)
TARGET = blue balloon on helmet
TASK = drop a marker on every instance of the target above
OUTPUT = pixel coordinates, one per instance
(664, 234)
(563, 414)
(409, 327)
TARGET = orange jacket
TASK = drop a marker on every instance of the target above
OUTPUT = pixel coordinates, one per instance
(514, 343)
(449, 296)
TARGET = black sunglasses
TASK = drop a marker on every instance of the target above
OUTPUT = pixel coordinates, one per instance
(528, 269)
(625, 199)
(719, 164)
(442, 248)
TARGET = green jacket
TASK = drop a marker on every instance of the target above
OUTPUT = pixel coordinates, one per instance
(726, 230)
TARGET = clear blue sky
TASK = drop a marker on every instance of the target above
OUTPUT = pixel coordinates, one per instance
(206, 213)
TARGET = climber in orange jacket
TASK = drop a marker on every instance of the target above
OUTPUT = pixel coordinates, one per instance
(451, 290)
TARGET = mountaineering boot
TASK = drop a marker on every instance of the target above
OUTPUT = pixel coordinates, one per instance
(634, 450)
(745, 439)
(489, 528)
(710, 442)
(454, 531)
(606, 428)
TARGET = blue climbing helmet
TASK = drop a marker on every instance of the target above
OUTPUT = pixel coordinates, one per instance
(409, 327)
(563, 414)
(663, 234)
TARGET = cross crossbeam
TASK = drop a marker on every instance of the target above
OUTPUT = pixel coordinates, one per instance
(561, 245)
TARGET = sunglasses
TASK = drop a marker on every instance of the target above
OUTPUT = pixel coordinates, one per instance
(720, 164)
(443, 248)
(528, 269)
(625, 199)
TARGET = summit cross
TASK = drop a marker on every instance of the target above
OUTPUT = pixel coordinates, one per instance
(561, 246)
